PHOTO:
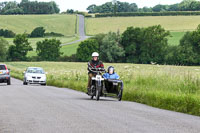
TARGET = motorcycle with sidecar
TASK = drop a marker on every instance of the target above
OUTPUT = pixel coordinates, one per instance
(101, 87)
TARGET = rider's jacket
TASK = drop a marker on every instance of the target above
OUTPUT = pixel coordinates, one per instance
(94, 64)
(111, 76)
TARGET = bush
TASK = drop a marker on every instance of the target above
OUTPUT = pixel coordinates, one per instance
(38, 32)
(7, 33)
(49, 49)
(53, 34)
(166, 13)
(71, 58)
(86, 48)
(3, 49)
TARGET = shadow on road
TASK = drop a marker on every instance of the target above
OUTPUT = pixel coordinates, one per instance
(101, 99)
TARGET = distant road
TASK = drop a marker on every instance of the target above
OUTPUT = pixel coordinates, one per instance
(45, 109)
(81, 31)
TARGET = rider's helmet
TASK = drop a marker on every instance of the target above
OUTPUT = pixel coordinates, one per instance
(95, 54)
(111, 70)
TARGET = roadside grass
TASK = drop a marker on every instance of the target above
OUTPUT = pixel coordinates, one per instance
(170, 23)
(174, 88)
(64, 24)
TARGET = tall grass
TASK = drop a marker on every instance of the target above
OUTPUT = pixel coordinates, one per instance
(174, 88)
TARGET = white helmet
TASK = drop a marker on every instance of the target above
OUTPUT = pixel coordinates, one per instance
(95, 54)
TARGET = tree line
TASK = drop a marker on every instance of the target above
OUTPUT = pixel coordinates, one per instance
(109, 7)
(135, 45)
(142, 46)
(28, 7)
(47, 50)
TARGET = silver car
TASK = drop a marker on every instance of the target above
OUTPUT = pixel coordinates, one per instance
(34, 75)
(4, 74)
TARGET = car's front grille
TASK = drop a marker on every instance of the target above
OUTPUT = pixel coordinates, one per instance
(38, 77)
(34, 77)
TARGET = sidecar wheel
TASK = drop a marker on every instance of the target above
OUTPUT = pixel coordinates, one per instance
(120, 95)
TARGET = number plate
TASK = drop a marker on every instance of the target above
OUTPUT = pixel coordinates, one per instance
(115, 83)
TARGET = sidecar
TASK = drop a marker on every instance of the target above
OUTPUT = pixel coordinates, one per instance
(114, 87)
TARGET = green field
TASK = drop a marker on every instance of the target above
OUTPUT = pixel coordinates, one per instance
(64, 24)
(170, 23)
(169, 87)
(175, 37)
(68, 50)
(177, 25)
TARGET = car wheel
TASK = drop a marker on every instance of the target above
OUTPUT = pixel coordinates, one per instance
(43, 84)
(9, 82)
(24, 83)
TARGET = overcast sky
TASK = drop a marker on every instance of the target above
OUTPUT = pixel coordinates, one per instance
(81, 5)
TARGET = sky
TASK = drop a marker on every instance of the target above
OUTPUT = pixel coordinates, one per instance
(81, 5)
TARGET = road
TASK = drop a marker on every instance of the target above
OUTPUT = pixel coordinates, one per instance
(45, 109)
(81, 31)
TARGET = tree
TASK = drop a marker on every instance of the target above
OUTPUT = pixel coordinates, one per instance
(7, 33)
(111, 50)
(38, 32)
(91, 8)
(19, 50)
(189, 48)
(86, 48)
(145, 45)
(3, 49)
(70, 11)
(154, 45)
(49, 49)
(131, 40)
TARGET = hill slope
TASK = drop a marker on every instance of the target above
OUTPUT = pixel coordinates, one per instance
(64, 24)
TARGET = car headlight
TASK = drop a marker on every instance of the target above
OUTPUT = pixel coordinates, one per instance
(29, 77)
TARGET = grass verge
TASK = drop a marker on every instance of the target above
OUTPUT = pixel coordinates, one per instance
(168, 87)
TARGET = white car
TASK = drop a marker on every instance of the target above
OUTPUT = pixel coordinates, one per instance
(34, 75)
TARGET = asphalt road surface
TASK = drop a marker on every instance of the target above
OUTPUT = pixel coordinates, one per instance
(81, 31)
(45, 109)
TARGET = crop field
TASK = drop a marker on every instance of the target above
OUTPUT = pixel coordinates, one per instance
(64, 24)
(170, 23)
(169, 87)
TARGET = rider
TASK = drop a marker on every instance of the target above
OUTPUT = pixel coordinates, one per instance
(94, 63)
(111, 74)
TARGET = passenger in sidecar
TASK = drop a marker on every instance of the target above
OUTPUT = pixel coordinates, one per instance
(112, 82)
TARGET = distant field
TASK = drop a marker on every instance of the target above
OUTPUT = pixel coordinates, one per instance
(175, 37)
(67, 50)
(64, 24)
(171, 23)
(169, 87)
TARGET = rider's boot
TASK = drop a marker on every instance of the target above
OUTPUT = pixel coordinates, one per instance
(88, 91)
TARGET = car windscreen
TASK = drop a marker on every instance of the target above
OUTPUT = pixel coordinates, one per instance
(35, 70)
(2, 67)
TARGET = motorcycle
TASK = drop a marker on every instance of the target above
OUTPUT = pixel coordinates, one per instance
(97, 83)
(105, 87)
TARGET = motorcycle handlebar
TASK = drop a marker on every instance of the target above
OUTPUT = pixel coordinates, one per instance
(97, 69)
